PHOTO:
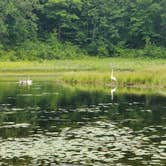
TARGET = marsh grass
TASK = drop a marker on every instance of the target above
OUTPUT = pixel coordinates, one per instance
(96, 71)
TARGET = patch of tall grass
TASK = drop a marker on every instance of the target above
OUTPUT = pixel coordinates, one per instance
(129, 72)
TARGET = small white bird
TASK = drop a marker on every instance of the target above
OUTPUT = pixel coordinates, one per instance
(113, 78)
(25, 82)
(29, 82)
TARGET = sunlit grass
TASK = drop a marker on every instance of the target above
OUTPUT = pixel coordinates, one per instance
(129, 72)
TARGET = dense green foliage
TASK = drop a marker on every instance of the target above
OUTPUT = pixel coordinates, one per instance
(48, 29)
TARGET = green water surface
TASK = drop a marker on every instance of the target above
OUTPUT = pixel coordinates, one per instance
(49, 124)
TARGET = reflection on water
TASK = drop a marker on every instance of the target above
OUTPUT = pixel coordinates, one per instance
(113, 93)
(47, 124)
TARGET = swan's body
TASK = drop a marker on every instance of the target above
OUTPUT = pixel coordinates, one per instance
(113, 78)
(25, 82)
(29, 82)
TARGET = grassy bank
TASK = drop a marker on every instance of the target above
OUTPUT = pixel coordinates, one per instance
(129, 72)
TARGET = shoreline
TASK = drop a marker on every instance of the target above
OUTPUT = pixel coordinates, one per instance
(93, 71)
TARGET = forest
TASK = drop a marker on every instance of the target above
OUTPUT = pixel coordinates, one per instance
(57, 29)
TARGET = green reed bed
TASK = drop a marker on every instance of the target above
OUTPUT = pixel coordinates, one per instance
(129, 72)
(124, 79)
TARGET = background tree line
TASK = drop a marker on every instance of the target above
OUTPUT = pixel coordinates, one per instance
(48, 29)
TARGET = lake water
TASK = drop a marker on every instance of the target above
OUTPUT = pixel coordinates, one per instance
(48, 124)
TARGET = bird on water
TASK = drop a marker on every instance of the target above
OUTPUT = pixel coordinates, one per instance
(27, 81)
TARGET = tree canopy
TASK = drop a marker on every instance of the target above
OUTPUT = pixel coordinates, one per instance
(99, 27)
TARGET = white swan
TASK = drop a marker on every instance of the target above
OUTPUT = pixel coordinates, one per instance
(25, 82)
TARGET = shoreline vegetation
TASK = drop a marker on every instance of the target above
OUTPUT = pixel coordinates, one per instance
(142, 73)
(80, 41)
(59, 29)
